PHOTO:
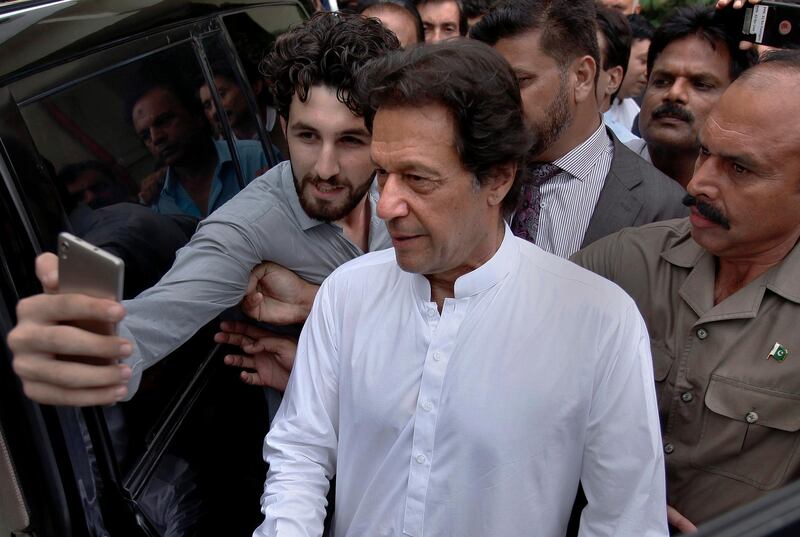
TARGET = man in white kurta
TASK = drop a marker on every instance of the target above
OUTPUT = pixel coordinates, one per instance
(463, 383)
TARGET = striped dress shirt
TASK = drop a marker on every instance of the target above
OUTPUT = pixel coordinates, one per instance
(569, 198)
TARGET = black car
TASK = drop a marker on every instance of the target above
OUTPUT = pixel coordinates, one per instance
(183, 457)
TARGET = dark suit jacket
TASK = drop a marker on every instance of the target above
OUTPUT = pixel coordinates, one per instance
(635, 193)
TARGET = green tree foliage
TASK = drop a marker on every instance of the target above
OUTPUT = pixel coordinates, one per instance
(655, 10)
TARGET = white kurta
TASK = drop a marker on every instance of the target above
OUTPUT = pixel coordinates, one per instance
(478, 421)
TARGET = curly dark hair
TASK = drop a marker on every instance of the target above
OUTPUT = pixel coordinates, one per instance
(568, 27)
(326, 49)
(476, 85)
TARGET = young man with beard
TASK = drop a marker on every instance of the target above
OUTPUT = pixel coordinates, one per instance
(585, 184)
(691, 60)
(310, 214)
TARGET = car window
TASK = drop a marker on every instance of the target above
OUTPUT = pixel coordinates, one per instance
(252, 34)
(122, 146)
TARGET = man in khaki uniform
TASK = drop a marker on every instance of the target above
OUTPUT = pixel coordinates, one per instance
(720, 292)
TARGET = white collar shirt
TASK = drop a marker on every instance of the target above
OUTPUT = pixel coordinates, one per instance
(568, 199)
(476, 421)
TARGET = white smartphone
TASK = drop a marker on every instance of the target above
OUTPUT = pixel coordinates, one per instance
(86, 269)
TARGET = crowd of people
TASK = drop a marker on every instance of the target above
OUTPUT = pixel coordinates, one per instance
(541, 249)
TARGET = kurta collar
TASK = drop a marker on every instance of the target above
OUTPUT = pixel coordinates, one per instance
(482, 278)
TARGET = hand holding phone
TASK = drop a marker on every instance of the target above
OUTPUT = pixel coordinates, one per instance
(86, 269)
(774, 24)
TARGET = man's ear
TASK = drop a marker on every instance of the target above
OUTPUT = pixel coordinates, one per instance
(615, 77)
(583, 71)
(501, 178)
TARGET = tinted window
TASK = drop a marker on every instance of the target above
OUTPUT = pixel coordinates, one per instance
(128, 149)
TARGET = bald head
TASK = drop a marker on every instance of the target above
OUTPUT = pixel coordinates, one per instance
(770, 89)
(748, 170)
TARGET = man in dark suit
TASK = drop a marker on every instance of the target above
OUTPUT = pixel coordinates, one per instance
(584, 184)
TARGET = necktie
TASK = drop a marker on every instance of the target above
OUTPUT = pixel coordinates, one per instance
(526, 219)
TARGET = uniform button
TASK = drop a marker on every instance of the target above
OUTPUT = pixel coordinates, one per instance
(437, 356)
(751, 417)
(687, 397)
(702, 333)
(421, 458)
(669, 448)
(543, 205)
(427, 405)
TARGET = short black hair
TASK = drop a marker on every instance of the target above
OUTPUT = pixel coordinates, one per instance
(327, 49)
(476, 85)
(615, 28)
(463, 22)
(568, 27)
(183, 91)
(778, 61)
(701, 22)
(782, 59)
(405, 5)
(617, 33)
(477, 8)
(641, 28)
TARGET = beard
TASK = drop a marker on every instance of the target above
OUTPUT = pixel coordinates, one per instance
(558, 118)
(325, 210)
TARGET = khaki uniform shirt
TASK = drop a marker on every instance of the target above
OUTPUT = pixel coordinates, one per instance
(730, 414)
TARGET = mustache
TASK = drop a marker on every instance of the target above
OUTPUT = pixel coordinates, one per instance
(673, 110)
(315, 180)
(707, 211)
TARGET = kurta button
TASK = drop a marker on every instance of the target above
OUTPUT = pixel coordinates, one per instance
(427, 405)
(421, 458)
(751, 417)
(687, 397)
(437, 356)
(669, 448)
(702, 333)
(431, 313)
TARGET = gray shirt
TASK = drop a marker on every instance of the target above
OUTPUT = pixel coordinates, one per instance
(263, 222)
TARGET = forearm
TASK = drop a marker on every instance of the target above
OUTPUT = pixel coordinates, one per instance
(209, 276)
(307, 297)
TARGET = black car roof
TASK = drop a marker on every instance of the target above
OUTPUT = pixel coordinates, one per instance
(45, 32)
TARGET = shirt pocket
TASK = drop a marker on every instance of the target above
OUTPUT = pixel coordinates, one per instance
(749, 433)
